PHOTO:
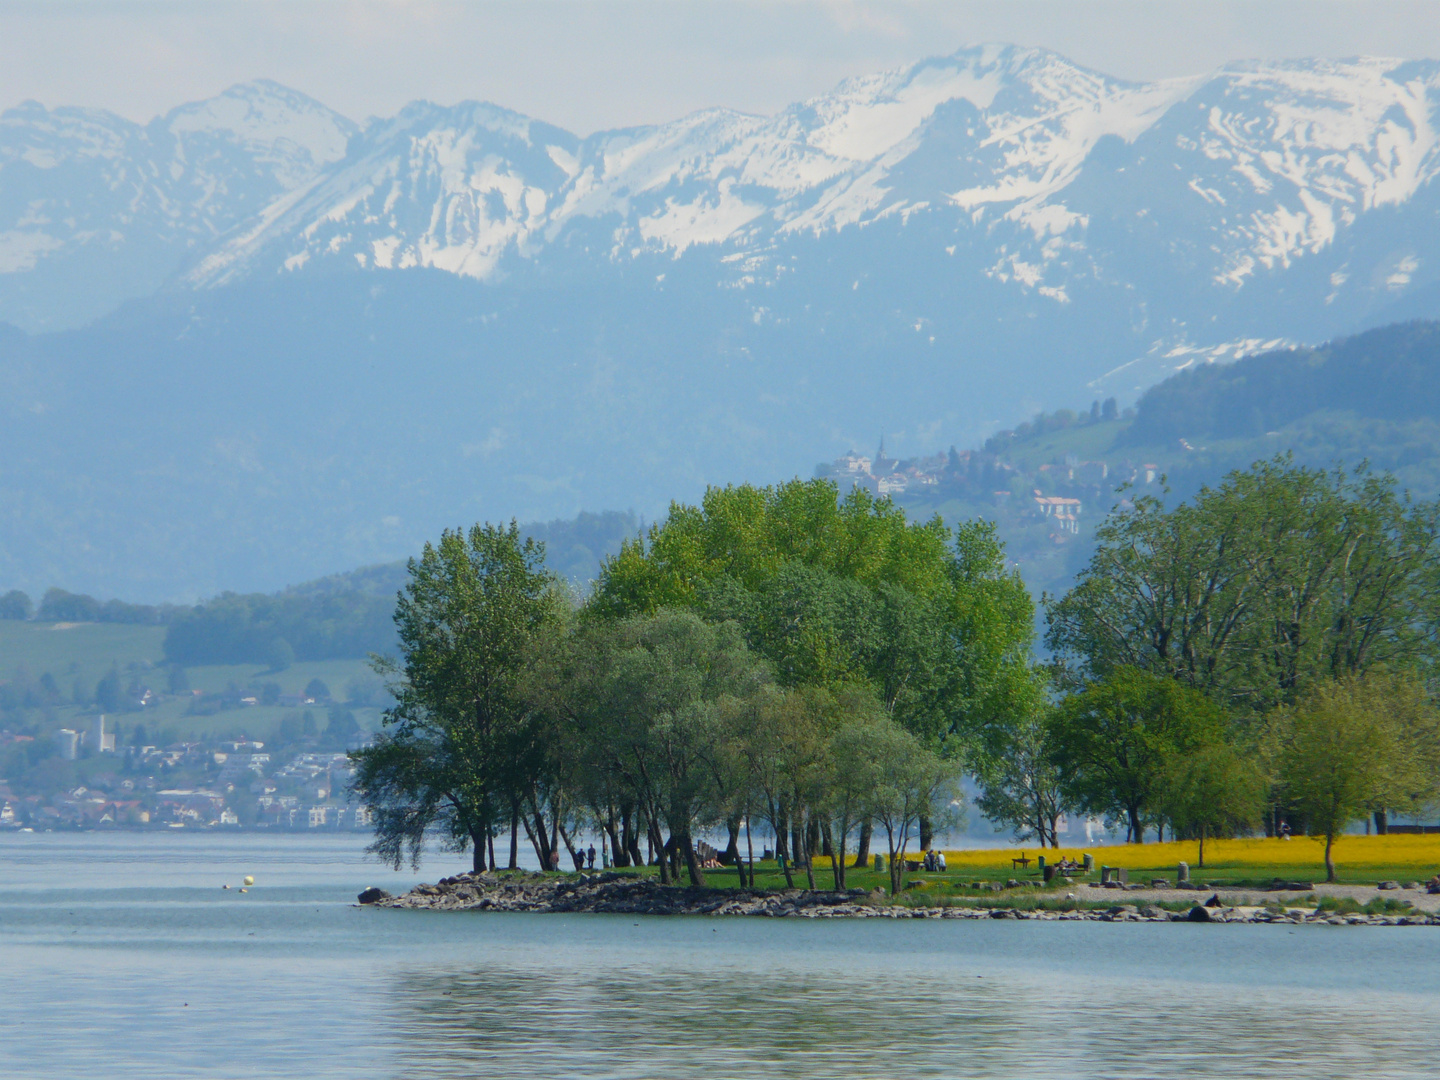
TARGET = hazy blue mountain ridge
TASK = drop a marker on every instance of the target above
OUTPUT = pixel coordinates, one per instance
(96, 209)
(340, 341)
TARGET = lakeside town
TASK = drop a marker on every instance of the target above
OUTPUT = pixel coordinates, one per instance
(221, 783)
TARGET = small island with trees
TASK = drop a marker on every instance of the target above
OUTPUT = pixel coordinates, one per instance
(813, 670)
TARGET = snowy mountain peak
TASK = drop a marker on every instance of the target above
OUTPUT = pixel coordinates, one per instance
(95, 209)
(272, 123)
(1030, 173)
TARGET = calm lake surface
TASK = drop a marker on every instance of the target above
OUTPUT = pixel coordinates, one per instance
(120, 956)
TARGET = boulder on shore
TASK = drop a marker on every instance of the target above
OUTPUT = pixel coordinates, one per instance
(373, 895)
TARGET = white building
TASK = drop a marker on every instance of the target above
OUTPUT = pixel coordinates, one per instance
(67, 742)
(98, 739)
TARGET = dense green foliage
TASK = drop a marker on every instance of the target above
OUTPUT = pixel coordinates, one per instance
(461, 741)
(1279, 577)
(1356, 745)
(845, 592)
(1119, 737)
(658, 711)
(827, 668)
(1264, 645)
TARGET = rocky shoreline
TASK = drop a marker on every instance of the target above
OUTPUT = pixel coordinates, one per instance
(625, 894)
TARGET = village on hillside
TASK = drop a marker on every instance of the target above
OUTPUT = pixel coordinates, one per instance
(1053, 496)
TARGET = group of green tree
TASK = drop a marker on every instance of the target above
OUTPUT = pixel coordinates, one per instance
(825, 670)
(1260, 655)
(819, 668)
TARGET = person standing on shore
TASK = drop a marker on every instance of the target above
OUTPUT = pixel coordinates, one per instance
(591, 856)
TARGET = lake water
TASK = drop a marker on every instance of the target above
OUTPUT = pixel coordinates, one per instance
(120, 956)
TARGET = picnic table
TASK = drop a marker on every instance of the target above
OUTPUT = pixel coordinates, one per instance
(1023, 862)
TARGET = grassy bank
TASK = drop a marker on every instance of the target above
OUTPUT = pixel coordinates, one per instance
(1360, 860)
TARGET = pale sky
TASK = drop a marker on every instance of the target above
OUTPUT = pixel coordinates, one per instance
(610, 63)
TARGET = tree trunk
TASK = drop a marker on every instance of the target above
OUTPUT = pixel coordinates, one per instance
(810, 870)
(634, 846)
(490, 843)
(1137, 834)
(477, 852)
(1329, 861)
(542, 842)
(692, 864)
(619, 856)
(927, 832)
(535, 833)
(554, 828)
(750, 851)
(732, 847)
(569, 845)
(1382, 823)
(838, 861)
(664, 854)
(778, 821)
(787, 864)
(1055, 830)
(862, 845)
(514, 834)
(1201, 863)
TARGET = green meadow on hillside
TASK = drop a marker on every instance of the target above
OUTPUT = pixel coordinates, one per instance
(83, 653)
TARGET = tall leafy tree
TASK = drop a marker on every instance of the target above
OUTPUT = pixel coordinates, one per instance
(1279, 577)
(458, 744)
(1354, 744)
(645, 701)
(1211, 791)
(1021, 781)
(1115, 741)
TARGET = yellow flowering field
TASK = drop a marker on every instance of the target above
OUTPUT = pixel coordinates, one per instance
(1420, 852)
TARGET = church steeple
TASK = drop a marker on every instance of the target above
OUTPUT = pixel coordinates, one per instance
(882, 464)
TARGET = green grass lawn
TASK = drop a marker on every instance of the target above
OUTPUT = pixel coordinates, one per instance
(77, 650)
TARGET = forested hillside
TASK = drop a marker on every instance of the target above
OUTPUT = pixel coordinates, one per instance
(1387, 374)
(1369, 399)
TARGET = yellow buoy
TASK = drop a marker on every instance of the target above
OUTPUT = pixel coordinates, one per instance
(249, 880)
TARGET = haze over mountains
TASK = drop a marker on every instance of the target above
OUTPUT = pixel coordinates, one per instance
(261, 343)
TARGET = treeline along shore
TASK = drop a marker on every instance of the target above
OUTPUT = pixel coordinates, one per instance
(794, 667)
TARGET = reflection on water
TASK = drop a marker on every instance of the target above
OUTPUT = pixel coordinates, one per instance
(657, 1014)
(121, 958)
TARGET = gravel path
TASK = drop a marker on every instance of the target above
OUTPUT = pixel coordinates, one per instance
(1238, 897)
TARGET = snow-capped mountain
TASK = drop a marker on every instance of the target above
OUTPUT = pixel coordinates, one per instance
(95, 209)
(1053, 180)
(359, 336)
(990, 129)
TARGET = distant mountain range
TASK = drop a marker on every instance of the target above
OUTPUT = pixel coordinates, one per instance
(256, 342)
